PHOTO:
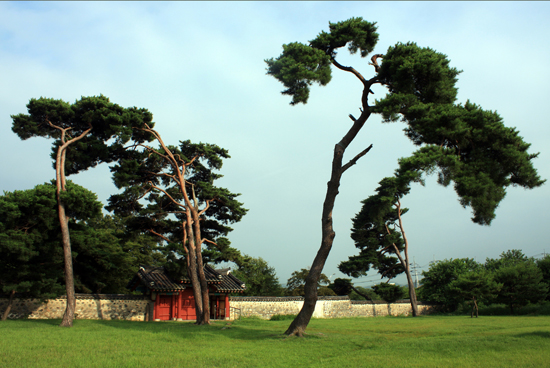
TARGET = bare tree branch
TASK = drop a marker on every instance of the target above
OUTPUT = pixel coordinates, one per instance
(354, 160)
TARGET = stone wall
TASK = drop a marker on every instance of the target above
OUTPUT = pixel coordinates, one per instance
(88, 306)
(326, 307)
(138, 308)
(378, 309)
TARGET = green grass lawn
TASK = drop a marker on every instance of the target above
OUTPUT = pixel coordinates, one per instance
(430, 341)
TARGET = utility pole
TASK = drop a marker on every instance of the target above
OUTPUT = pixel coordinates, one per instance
(414, 267)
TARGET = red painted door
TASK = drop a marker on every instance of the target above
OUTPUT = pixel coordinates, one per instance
(164, 308)
(187, 310)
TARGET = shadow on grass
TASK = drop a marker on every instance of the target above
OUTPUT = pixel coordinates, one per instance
(543, 334)
(187, 330)
(244, 330)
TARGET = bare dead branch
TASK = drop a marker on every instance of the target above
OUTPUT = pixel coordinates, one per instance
(354, 160)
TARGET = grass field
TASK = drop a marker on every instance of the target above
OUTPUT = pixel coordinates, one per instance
(430, 341)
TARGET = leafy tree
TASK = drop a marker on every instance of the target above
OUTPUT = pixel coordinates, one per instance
(389, 292)
(342, 286)
(345, 287)
(106, 256)
(475, 286)
(260, 279)
(509, 258)
(436, 282)
(184, 207)
(86, 126)
(544, 266)
(521, 279)
(296, 283)
(32, 261)
(463, 143)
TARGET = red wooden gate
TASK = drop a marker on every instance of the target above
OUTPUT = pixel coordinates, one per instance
(187, 309)
(164, 307)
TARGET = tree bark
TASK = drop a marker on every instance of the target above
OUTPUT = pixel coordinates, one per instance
(193, 272)
(68, 316)
(299, 324)
(200, 265)
(8, 307)
(475, 308)
(412, 290)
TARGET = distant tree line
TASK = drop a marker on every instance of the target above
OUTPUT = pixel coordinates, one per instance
(513, 279)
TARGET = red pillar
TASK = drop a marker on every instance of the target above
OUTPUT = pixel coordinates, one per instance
(174, 310)
(227, 309)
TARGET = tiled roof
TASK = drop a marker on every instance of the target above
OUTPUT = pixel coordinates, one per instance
(155, 278)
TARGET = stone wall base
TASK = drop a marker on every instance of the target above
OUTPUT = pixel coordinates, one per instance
(88, 306)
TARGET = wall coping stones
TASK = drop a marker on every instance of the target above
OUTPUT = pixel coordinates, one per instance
(282, 298)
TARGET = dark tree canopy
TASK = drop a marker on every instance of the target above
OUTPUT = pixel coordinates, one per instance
(544, 266)
(375, 230)
(106, 120)
(389, 292)
(105, 255)
(476, 286)
(32, 259)
(522, 281)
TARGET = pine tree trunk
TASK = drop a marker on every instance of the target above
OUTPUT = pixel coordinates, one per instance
(68, 316)
(193, 272)
(412, 294)
(200, 266)
(299, 324)
(8, 307)
(406, 264)
(204, 290)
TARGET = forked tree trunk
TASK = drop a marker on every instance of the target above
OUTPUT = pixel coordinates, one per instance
(299, 324)
(193, 272)
(8, 307)
(60, 183)
(68, 316)
(475, 308)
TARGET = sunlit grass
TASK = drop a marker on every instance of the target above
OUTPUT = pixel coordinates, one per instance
(431, 341)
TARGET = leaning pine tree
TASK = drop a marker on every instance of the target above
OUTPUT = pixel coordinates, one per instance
(421, 93)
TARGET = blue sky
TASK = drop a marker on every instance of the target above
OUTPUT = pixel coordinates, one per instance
(199, 67)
